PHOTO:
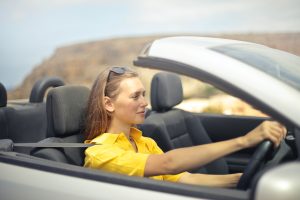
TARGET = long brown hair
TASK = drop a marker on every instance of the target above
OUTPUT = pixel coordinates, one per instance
(98, 119)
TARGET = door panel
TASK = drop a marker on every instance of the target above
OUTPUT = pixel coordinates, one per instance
(224, 127)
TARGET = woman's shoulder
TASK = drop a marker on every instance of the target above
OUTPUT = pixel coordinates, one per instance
(104, 138)
(150, 143)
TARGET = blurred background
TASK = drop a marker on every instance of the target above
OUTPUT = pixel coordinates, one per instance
(76, 39)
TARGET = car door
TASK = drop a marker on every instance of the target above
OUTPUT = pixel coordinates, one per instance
(221, 127)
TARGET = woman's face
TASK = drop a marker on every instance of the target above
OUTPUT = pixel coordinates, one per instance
(130, 104)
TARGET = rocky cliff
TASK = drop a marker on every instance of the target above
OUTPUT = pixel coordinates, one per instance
(80, 63)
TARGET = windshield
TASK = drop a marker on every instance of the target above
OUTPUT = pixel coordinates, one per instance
(281, 65)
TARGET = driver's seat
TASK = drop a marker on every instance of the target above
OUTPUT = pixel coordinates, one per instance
(174, 128)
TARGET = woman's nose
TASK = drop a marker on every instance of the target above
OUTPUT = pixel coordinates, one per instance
(144, 101)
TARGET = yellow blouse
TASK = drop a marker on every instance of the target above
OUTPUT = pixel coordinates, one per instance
(116, 154)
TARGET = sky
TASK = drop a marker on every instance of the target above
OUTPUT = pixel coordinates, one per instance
(31, 30)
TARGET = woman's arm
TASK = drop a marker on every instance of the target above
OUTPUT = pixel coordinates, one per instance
(183, 159)
(228, 181)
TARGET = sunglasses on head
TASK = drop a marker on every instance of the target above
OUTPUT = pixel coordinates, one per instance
(116, 70)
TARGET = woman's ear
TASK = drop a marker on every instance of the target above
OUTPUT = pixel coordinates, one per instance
(109, 106)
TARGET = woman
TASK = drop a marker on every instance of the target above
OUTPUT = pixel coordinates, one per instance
(117, 102)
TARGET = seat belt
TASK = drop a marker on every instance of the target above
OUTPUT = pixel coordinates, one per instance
(8, 145)
(52, 145)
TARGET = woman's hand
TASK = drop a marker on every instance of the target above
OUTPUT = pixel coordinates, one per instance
(268, 130)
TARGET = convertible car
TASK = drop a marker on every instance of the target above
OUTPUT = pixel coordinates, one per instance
(41, 141)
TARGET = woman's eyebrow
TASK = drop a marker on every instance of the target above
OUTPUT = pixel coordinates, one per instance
(138, 92)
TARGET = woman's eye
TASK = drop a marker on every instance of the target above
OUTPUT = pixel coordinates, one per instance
(135, 97)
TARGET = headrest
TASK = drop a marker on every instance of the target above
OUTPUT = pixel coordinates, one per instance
(166, 91)
(41, 86)
(3, 96)
(66, 110)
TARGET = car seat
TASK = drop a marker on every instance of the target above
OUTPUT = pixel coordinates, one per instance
(65, 118)
(174, 128)
(3, 96)
(26, 121)
(3, 110)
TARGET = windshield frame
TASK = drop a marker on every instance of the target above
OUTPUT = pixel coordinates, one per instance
(278, 64)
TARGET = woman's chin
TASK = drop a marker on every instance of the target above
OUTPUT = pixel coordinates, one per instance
(140, 120)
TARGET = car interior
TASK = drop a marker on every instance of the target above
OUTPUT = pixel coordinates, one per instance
(60, 119)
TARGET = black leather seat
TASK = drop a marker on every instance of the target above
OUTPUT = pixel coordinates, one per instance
(3, 96)
(23, 122)
(174, 128)
(3, 110)
(65, 107)
(26, 121)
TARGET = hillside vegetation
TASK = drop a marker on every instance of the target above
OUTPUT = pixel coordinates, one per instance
(81, 63)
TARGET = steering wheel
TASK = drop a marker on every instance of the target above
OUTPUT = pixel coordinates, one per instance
(257, 160)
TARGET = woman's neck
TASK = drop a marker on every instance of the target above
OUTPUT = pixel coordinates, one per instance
(117, 127)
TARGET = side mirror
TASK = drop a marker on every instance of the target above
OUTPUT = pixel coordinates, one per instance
(281, 182)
